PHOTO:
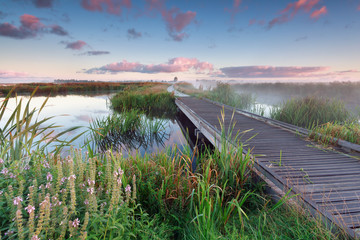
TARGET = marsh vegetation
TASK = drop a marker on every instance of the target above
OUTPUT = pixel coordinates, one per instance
(156, 196)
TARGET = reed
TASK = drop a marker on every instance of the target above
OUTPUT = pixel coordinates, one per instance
(311, 111)
(326, 133)
(127, 130)
(159, 196)
(160, 104)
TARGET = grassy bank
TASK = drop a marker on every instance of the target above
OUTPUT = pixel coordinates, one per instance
(107, 196)
(153, 100)
(67, 88)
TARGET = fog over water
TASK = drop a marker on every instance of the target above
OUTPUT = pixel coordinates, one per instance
(276, 93)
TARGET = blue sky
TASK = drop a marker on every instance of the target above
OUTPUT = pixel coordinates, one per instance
(247, 40)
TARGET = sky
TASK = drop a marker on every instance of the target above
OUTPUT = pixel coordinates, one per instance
(121, 40)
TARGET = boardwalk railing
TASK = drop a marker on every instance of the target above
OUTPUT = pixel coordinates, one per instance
(320, 178)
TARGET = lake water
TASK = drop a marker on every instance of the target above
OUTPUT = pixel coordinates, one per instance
(80, 110)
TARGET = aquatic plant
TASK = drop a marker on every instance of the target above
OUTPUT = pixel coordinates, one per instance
(160, 105)
(311, 111)
(126, 130)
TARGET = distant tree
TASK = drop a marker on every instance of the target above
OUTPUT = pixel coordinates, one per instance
(175, 79)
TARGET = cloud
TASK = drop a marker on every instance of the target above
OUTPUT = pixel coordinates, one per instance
(94, 53)
(12, 74)
(293, 8)
(179, 64)
(77, 45)
(110, 6)
(303, 38)
(175, 20)
(43, 3)
(317, 13)
(58, 30)
(358, 8)
(270, 71)
(133, 34)
(30, 27)
(235, 8)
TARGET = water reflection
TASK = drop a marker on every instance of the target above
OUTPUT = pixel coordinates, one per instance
(81, 110)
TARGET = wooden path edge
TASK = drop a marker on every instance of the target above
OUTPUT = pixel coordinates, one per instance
(266, 174)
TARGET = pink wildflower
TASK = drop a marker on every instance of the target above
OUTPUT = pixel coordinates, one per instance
(5, 171)
(99, 173)
(128, 189)
(49, 177)
(1, 161)
(72, 177)
(119, 181)
(121, 172)
(91, 182)
(35, 237)
(48, 185)
(30, 209)
(86, 202)
(90, 190)
(76, 223)
(17, 200)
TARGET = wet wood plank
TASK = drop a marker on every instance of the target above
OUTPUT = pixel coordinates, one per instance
(327, 180)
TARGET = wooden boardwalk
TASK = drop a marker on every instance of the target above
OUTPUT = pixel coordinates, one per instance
(328, 182)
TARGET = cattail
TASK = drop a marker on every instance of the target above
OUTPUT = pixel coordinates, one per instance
(19, 224)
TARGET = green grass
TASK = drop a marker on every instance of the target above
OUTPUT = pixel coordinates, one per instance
(325, 133)
(157, 196)
(311, 111)
(127, 130)
(153, 104)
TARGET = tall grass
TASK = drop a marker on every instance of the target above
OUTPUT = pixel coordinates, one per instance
(325, 133)
(160, 104)
(127, 130)
(311, 111)
(106, 196)
(225, 93)
(74, 87)
(23, 131)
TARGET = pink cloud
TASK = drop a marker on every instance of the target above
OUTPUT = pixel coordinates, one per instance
(235, 8)
(270, 71)
(77, 45)
(179, 64)
(293, 8)
(31, 22)
(12, 74)
(30, 27)
(358, 8)
(110, 6)
(317, 13)
(176, 21)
